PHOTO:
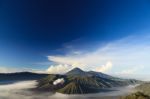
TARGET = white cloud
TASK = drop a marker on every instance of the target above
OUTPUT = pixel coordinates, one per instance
(104, 68)
(123, 53)
(62, 68)
(131, 70)
(4, 69)
(59, 81)
(128, 72)
(19, 85)
(58, 69)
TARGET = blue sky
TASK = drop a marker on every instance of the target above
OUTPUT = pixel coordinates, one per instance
(34, 33)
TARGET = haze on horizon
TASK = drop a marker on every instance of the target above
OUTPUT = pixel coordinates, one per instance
(55, 36)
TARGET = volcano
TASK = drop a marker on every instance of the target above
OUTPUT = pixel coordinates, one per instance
(78, 81)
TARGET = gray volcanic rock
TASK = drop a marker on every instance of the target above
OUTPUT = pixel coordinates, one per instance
(78, 81)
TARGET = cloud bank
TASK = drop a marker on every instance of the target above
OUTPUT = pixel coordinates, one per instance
(4, 69)
(104, 68)
(19, 90)
(119, 56)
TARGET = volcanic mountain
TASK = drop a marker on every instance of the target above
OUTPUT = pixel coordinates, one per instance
(77, 71)
(78, 81)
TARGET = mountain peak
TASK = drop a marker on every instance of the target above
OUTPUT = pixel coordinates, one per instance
(76, 71)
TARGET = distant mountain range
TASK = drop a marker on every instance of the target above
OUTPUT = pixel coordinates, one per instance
(19, 76)
(78, 81)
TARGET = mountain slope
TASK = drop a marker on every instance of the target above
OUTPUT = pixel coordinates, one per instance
(77, 71)
(137, 95)
(78, 81)
(144, 87)
(102, 75)
(143, 92)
